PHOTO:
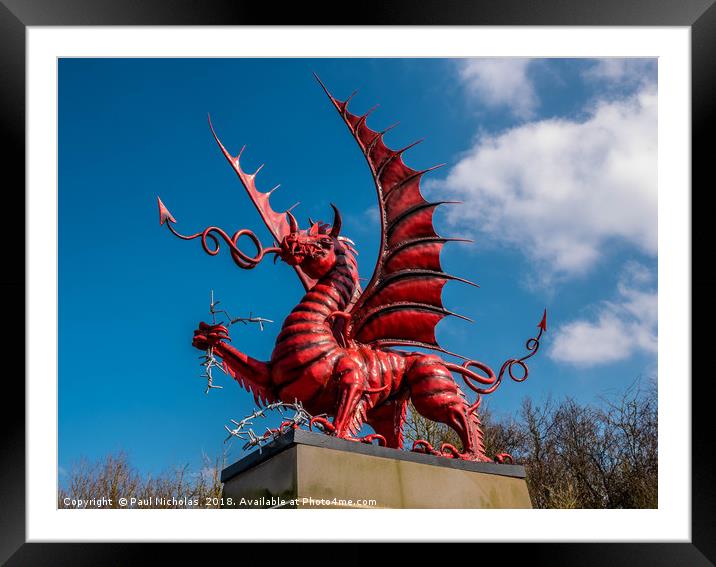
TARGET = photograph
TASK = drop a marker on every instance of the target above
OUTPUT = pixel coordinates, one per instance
(428, 278)
(357, 282)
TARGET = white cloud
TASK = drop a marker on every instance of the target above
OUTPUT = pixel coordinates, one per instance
(560, 190)
(501, 82)
(618, 329)
(624, 72)
(372, 215)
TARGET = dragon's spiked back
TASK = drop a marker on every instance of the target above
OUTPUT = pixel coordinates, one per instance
(402, 304)
(276, 223)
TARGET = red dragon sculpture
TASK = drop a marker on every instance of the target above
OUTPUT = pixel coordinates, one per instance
(334, 353)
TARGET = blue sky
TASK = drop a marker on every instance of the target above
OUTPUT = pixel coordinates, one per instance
(554, 160)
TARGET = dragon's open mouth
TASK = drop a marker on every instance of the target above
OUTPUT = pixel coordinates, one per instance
(296, 252)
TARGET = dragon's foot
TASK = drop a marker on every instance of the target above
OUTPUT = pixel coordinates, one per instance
(329, 429)
(448, 451)
(370, 438)
(452, 452)
(323, 423)
(503, 458)
(422, 446)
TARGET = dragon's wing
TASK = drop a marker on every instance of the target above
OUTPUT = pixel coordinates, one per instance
(401, 304)
(275, 222)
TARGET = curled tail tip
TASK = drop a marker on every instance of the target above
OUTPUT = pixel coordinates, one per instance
(543, 323)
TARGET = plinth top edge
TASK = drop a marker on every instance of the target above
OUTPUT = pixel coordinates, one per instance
(301, 437)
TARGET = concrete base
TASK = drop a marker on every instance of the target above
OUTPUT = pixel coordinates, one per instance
(311, 470)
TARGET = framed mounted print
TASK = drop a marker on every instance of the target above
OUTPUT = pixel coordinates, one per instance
(199, 343)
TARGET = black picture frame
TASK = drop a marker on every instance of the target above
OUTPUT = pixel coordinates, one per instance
(17, 15)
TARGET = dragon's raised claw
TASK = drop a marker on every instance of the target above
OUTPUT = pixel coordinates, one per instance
(207, 336)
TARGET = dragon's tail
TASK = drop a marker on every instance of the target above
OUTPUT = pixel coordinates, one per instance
(490, 381)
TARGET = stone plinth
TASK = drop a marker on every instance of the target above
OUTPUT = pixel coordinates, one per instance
(311, 470)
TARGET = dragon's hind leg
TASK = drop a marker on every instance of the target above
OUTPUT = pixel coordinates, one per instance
(387, 420)
(437, 397)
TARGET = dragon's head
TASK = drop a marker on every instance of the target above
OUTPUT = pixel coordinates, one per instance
(314, 249)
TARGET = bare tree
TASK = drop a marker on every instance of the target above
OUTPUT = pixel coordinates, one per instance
(605, 455)
(110, 479)
(101, 484)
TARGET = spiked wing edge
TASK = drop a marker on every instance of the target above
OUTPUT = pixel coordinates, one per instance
(401, 305)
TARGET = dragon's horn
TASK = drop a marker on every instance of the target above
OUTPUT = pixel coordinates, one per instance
(337, 221)
(292, 222)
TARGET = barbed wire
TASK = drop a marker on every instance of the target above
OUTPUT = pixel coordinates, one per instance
(243, 428)
(208, 360)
